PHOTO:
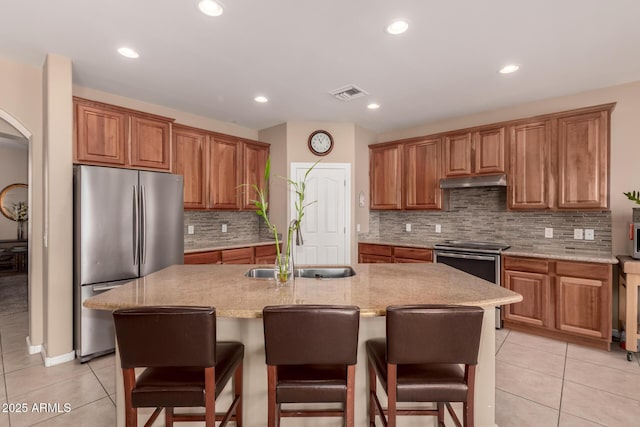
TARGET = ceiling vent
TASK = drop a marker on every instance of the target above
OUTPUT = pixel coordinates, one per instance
(349, 92)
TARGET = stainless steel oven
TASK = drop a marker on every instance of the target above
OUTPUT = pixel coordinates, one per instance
(479, 259)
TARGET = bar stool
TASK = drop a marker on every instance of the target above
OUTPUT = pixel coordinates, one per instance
(419, 361)
(185, 366)
(311, 353)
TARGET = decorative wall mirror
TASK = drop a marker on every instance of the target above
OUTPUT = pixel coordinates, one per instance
(11, 196)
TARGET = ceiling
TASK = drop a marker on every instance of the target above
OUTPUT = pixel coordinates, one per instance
(295, 52)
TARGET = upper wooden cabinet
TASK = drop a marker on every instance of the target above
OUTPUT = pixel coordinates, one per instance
(479, 152)
(189, 147)
(583, 160)
(385, 176)
(530, 165)
(254, 161)
(457, 154)
(224, 172)
(561, 161)
(150, 147)
(215, 167)
(114, 136)
(421, 185)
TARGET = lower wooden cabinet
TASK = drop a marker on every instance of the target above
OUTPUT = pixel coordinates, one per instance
(561, 299)
(369, 253)
(263, 254)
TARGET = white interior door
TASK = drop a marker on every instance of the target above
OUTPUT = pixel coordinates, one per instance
(325, 222)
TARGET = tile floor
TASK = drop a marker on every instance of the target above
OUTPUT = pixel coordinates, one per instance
(540, 382)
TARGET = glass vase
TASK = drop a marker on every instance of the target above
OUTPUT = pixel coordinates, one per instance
(20, 230)
(283, 270)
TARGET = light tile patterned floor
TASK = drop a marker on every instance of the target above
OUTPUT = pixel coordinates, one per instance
(540, 382)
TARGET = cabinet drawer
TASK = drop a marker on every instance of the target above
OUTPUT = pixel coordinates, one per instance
(583, 269)
(416, 254)
(374, 259)
(261, 251)
(532, 265)
(212, 257)
(382, 250)
(231, 256)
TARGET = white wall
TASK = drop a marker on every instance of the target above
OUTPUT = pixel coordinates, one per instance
(14, 168)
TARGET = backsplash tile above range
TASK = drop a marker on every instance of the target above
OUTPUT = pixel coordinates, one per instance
(241, 227)
(480, 214)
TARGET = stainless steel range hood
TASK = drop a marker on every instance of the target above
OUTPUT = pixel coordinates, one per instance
(475, 181)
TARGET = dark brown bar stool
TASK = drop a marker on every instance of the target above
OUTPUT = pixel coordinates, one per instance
(311, 353)
(419, 361)
(185, 366)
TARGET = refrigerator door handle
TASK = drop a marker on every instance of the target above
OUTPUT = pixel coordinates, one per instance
(136, 225)
(102, 288)
(143, 226)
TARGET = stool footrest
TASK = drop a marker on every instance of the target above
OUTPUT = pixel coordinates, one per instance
(311, 413)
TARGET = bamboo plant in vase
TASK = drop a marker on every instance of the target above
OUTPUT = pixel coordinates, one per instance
(283, 270)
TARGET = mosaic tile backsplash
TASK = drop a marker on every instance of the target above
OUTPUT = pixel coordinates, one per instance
(481, 214)
(241, 226)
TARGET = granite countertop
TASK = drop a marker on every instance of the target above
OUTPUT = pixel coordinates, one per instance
(561, 254)
(188, 249)
(373, 288)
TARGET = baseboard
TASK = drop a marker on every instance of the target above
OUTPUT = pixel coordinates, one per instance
(33, 349)
(56, 360)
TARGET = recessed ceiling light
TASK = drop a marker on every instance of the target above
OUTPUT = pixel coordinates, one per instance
(397, 27)
(211, 7)
(261, 98)
(127, 52)
(508, 69)
(373, 106)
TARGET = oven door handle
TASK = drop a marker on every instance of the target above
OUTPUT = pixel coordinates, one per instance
(476, 257)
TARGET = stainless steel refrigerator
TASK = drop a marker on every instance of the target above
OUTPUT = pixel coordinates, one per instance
(127, 224)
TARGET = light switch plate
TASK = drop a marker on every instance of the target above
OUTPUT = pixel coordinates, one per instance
(548, 233)
(224, 228)
(190, 229)
(438, 228)
(589, 234)
(577, 233)
(407, 227)
(358, 228)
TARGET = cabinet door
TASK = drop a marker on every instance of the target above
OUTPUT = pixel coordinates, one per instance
(237, 256)
(101, 135)
(529, 166)
(421, 186)
(211, 257)
(583, 299)
(265, 254)
(224, 173)
(457, 154)
(188, 161)
(385, 177)
(488, 150)
(254, 160)
(150, 146)
(374, 259)
(583, 306)
(535, 307)
(583, 150)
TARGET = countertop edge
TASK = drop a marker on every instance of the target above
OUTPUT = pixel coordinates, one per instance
(230, 245)
(599, 259)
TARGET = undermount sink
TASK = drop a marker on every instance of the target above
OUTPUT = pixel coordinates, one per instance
(337, 272)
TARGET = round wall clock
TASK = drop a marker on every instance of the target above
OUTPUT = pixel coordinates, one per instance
(320, 143)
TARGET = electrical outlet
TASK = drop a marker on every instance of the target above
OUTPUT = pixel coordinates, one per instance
(190, 229)
(577, 233)
(358, 228)
(589, 234)
(548, 233)
(407, 227)
(224, 228)
(438, 228)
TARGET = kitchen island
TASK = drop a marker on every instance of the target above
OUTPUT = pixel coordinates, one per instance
(239, 301)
